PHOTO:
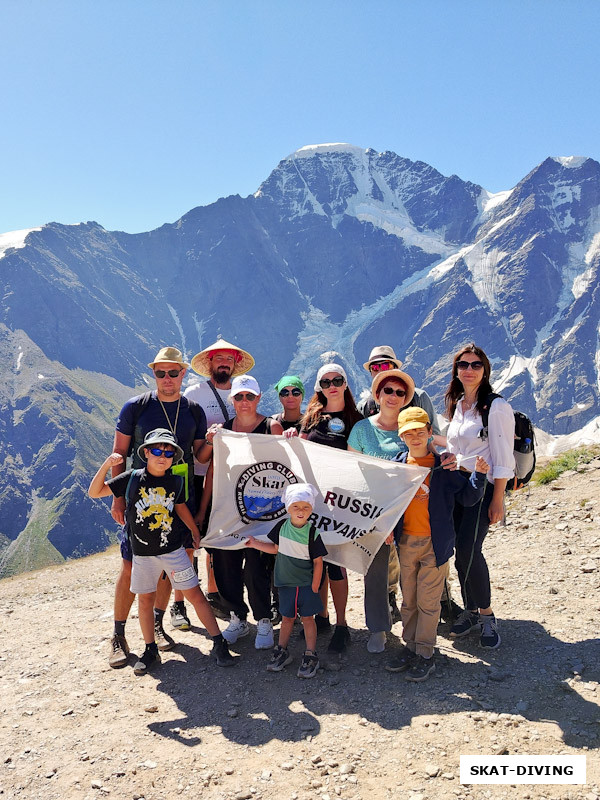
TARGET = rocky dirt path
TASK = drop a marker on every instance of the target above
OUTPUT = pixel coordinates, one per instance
(73, 728)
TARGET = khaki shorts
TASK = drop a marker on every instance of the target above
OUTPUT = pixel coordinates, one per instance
(146, 570)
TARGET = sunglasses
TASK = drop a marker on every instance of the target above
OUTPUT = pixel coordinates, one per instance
(398, 392)
(287, 392)
(466, 364)
(172, 373)
(379, 366)
(157, 451)
(245, 396)
(325, 383)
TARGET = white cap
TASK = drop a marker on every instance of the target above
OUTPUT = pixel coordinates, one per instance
(299, 493)
(329, 368)
(244, 383)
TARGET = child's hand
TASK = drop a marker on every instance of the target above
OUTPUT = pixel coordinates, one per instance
(250, 541)
(481, 465)
(315, 587)
(113, 460)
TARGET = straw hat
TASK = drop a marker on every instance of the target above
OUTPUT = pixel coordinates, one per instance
(168, 354)
(201, 361)
(382, 353)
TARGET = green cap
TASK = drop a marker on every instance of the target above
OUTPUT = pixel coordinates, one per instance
(289, 380)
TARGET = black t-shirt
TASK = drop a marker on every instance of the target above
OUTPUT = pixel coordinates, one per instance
(264, 426)
(331, 430)
(286, 424)
(154, 527)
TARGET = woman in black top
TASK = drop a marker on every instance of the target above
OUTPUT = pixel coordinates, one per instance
(291, 394)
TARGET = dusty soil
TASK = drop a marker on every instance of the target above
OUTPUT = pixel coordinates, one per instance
(71, 727)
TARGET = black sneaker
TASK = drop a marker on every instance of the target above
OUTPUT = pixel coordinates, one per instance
(322, 623)
(340, 639)
(394, 610)
(275, 615)
(280, 659)
(450, 611)
(420, 669)
(221, 653)
(148, 659)
(219, 610)
(490, 638)
(179, 617)
(401, 661)
(309, 666)
(467, 621)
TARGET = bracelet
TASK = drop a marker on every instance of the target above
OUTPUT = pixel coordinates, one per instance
(210, 444)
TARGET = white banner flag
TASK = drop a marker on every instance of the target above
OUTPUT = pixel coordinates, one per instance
(361, 497)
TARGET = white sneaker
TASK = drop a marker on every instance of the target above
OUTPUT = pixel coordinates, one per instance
(236, 629)
(264, 635)
(376, 643)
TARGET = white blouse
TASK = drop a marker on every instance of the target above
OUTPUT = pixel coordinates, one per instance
(464, 440)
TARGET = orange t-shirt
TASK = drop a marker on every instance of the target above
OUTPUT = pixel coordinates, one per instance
(416, 516)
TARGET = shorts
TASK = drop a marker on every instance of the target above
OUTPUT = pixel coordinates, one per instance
(146, 570)
(294, 600)
(335, 572)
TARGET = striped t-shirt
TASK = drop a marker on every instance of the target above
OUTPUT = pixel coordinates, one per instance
(293, 563)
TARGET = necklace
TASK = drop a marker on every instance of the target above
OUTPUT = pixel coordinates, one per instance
(173, 428)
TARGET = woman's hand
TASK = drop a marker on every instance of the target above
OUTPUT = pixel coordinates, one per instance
(290, 433)
(211, 432)
(496, 510)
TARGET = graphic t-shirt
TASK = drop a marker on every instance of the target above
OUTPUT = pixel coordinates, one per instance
(293, 562)
(331, 430)
(154, 527)
(416, 516)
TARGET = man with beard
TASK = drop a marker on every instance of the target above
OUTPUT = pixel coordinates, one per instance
(220, 362)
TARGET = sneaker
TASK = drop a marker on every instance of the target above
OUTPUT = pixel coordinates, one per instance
(275, 615)
(309, 666)
(450, 611)
(221, 653)
(420, 669)
(322, 623)
(149, 657)
(236, 629)
(264, 635)
(162, 638)
(394, 610)
(179, 618)
(340, 639)
(219, 610)
(467, 621)
(280, 659)
(401, 661)
(490, 638)
(376, 643)
(119, 651)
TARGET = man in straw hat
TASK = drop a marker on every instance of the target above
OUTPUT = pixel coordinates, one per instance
(163, 407)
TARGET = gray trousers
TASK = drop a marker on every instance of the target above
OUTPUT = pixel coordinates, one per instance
(377, 607)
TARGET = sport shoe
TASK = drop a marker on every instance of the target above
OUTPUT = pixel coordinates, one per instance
(322, 623)
(236, 629)
(162, 638)
(264, 635)
(280, 659)
(394, 610)
(490, 638)
(309, 666)
(401, 661)
(376, 643)
(221, 653)
(219, 610)
(420, 669)
(275, 614)
(148, 659)
(179, 618)
(119, 651)
(449, 611)
(467, 621)
(340, 639)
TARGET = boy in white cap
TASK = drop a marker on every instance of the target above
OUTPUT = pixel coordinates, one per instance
(298, 573)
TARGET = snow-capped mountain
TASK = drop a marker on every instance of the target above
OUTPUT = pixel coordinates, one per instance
(340, 249)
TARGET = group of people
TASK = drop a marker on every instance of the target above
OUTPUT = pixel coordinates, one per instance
(165, 508)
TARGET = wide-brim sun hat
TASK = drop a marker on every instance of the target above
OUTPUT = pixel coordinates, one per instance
(244, 383)
(382, 353)
(169, 355)
(201, 361)
(411, 418)
(160, 436)
(394, 373)
(329, 368)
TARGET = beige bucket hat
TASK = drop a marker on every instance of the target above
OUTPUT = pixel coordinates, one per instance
(201, 361)
(382, 353)
(166, 354)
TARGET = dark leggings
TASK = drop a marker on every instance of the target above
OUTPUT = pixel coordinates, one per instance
(235, 569)
(474, 578)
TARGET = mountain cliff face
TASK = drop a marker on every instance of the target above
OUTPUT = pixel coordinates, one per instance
(340, 249)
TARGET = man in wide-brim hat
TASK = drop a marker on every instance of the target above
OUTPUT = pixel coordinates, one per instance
(202, 362)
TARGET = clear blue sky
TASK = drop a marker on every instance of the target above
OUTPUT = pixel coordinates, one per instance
(131, 113)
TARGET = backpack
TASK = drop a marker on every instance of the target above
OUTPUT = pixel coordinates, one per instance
(524, 449)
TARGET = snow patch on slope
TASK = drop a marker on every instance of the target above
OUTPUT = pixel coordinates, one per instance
(571, 162)
(14, 240)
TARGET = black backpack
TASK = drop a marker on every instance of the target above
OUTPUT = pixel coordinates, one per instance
(524, 449)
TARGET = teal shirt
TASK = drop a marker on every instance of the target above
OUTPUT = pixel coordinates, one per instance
(367, 438)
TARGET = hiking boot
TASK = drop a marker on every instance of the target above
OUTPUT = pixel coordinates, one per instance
(119, 651)
(340, 639)
(148, 659)
(322, 623)
(236, 629)
(162, 638)
(420, 669)
(401, 661)
(179, 618)
(467, 621)
(280, 659)
(264, 635)
(376, 643)
(490, 638)
(450, 611)
(309, 666)
(221, 653)
(394, 610)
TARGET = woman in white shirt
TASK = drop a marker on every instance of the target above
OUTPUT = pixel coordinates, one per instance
(466, 398)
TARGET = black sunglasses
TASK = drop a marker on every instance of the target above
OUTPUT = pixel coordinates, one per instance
(172, 373)
(325, 383)
(467, 364)
(245, 396)
(389, 390)
(157, 451)
(287, 392)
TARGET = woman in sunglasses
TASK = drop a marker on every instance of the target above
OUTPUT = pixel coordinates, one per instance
(467, 396)
(291, 394)
(377, 436)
